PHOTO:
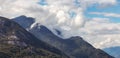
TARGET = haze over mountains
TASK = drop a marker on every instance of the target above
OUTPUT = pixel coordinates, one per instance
(114, 51)
(75, 47)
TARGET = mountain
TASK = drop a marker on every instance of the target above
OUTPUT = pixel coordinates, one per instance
(75, 47)
(24, 21)
(16, 42)
(114, 51)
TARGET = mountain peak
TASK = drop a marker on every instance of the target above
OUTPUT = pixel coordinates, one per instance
(18, 43)
(24, 21)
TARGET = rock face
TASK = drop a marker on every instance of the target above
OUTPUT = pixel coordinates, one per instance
(75, 47)
(16, 42)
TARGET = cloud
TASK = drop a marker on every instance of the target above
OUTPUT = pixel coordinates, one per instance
(102, 32)
(12, 8)
(56, 14)
(106, 14)
(101, 3)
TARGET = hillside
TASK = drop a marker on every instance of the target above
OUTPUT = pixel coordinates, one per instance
(16, 42)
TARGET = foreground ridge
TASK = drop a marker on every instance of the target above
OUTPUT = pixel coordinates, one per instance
(16, 42)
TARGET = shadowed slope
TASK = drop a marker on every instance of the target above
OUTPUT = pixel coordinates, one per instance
(18, 43)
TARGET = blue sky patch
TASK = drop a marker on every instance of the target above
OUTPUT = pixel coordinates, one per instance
(111, 9)
(43, 2)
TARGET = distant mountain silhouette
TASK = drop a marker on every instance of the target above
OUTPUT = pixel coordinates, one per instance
(114, 51)
(75, 46)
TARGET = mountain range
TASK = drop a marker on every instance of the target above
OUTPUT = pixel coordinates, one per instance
(16, 42)
(74, 47)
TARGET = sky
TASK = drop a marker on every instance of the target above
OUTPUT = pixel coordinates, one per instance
(111, 9)
(97, 21)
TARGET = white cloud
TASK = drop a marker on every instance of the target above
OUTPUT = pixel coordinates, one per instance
(55, 15)
(106, 14)
(101, 3)
(102, 33)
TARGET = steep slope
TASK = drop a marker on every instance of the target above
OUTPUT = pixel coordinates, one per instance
(82, 49)
(75, 47)
(16, 42)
